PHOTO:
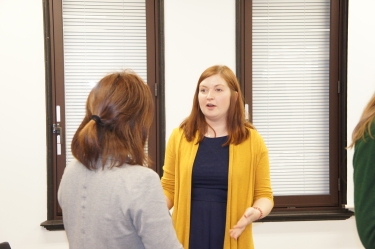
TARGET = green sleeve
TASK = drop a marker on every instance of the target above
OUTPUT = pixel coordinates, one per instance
(364, 189)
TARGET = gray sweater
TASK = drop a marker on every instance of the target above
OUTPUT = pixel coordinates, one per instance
(122, 207)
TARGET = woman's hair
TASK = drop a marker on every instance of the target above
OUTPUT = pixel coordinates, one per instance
(119, 113)
(364, 124)
(236, 123)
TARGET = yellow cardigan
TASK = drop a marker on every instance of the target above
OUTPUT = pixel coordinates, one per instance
(248, 180)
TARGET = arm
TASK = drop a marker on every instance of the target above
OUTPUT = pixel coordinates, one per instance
(151, 218)
(263, 196)
(168, 178)
(261, 208)
(169, 203)
(364, 189)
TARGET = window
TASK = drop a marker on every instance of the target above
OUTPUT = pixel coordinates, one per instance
(291, 63)
(84, 41)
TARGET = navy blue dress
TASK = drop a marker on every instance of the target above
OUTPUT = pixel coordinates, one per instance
(209, 194)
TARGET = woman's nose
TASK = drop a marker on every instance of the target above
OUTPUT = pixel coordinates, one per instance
(210, 95)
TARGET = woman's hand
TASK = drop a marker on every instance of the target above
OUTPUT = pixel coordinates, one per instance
(251, 214)
(169, 203)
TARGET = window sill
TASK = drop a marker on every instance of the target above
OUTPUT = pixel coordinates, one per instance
(312, 215)
(277, 216)
(53, 225)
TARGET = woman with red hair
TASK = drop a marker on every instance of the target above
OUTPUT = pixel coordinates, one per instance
(216, 169)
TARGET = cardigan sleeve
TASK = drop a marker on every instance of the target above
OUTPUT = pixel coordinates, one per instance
(262, 188)
(364, 188)
(168, 178)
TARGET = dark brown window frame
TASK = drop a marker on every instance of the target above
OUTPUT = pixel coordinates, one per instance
(54, 65)
(155, 45)
(314, 207)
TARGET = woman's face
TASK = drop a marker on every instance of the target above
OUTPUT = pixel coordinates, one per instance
(214, 98)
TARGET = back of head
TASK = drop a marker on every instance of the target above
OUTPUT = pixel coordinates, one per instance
(119, 113)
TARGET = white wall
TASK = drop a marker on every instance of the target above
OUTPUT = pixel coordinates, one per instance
(361, 70)
(23, 184)
(198, 34)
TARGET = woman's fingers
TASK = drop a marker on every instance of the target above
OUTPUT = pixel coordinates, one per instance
(237, 229)
(236, 232)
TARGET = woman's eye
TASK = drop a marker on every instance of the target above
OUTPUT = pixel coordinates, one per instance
(219, 90)
(203, 90)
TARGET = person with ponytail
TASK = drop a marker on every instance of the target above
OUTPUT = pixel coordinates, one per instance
(108, 196)
(363, 141)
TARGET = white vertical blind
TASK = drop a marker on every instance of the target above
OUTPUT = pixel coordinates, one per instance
(290, 91)
(100, 37)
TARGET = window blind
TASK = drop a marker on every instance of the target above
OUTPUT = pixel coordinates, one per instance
(290, 85)
(100, 37)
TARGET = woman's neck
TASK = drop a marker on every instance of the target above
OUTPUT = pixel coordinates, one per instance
(218, 128)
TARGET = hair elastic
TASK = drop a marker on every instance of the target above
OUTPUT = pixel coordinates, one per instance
(97, 119)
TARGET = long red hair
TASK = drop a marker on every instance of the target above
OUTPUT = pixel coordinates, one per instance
(236, 122)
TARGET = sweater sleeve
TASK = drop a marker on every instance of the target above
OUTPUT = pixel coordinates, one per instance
(364, 189)
(262, 175)
(151, 217)
(168, 179)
